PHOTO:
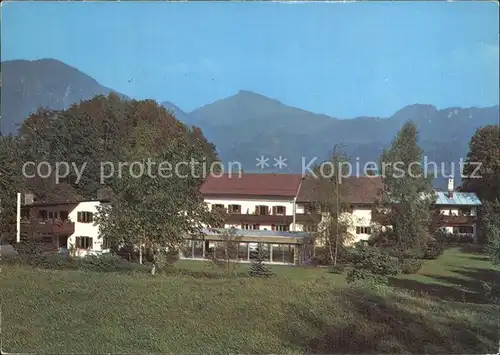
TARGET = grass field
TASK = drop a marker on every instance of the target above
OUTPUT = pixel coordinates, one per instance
(440, 310)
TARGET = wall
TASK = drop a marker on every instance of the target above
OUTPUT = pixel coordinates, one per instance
(359, 217)
(86, 229)
(248, 206)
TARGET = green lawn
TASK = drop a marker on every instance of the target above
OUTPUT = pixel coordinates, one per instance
(298, 311)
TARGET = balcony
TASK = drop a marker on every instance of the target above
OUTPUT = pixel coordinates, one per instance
(235, 218)
(240, 218)
(47, 227)
(444, 220)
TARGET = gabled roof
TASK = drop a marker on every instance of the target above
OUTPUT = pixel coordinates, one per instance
(459, 198)
(279, 185)
(357, 189)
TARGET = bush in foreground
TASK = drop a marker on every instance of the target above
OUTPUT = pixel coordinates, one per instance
(411, 265)
(370, 263)
(101, 263)
(433, 251)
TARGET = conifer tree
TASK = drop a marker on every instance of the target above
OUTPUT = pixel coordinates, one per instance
(257, 267)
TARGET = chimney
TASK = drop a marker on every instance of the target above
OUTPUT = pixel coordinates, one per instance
(29, 198)
(104, 193)
(450, 188)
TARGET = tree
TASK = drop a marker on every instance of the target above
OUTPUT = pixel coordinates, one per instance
(11, 182)
(494, 243)
(157, 209)
(257, 267)
(407, 196)
(333, 228)
(483, 155)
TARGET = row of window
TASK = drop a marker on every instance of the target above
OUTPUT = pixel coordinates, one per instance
(239, 251)
(83, 217)
(259, 210)
(84, 242)
(274, 227)
(363, 230)
(463, 229)
(88, 242)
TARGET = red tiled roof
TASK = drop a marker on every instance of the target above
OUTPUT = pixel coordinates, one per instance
(286, 185)
(358, 190)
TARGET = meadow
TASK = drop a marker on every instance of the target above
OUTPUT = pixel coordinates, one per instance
(300, 310)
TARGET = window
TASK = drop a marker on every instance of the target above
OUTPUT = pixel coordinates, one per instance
(84, 242)
(63, 215)
(281, 227)
(309, 208)
(243, 251)
(279, 210)
(25, 214)
(85, 217)
(42, 214)
(261, 210)
(250, 226)
(465, 229)
(363, 230)
(254, 250)
(217, 207)
(234, 208)
(106, 243)
(188, 249)
(282, 253)
(465, 211)
(311, 227)
(198, 249)
(52, 215)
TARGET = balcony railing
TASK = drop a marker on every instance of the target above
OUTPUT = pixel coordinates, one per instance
(272, 218)
(445, 220)
(47, 226)
(261, 219)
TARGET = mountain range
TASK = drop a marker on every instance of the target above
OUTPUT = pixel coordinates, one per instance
(248, 125)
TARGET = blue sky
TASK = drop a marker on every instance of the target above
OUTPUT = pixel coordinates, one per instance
(342, 59)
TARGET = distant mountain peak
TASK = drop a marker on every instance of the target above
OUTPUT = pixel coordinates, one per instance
(416, 111)
(247, 94)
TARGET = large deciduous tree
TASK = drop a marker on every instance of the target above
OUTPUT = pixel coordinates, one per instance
(157, 203)
(481, 173)
(407, 193)
(11, 182)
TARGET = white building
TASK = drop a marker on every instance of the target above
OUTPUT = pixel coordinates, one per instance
(64, 226)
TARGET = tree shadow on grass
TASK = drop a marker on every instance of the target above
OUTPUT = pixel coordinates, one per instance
(478, 258)
(448, 293)
(467, 287)
(368, 323)
(472, 248)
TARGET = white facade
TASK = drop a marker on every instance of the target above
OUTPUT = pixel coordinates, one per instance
(86, 229)
(248, 206)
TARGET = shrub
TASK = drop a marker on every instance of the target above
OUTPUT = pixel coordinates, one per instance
(337, 269)
(411, 265)
(433, 251)
(322, 256)
(102, 263)
(491, 292)
(373, 264)
(442, 236)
